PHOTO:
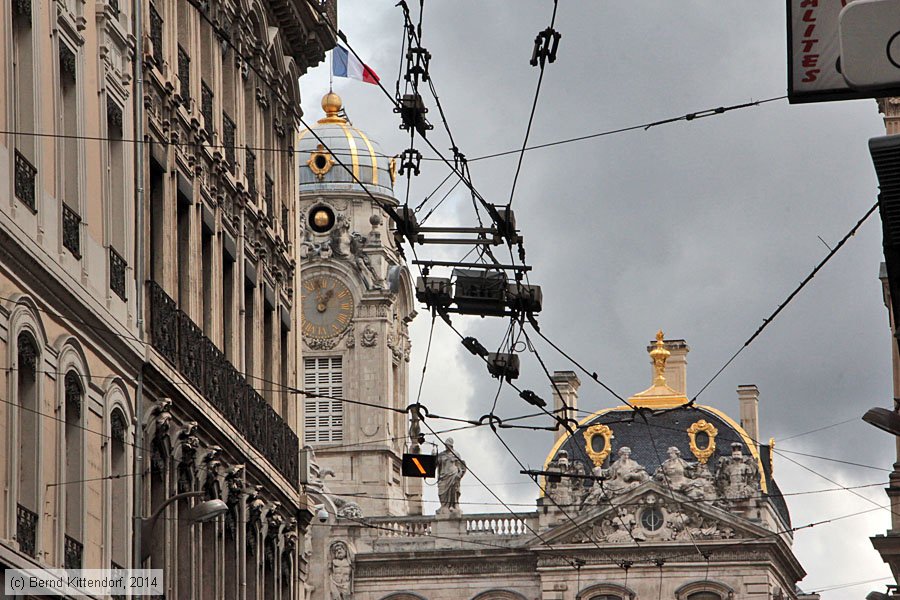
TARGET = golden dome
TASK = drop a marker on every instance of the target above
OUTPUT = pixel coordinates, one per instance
(332, 105)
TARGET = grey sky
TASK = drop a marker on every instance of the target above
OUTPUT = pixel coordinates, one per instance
(698, 228)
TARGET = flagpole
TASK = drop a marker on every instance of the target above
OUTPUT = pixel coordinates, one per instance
(331, 74)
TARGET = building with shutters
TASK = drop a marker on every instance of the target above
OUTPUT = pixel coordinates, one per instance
(147, 290)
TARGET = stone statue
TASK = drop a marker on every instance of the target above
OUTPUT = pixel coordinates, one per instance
(622, 525)
(737, 476)
(341, 571)
(450, 470)
(341, 238)
(625, 474)
(673, 472)
(568, 490)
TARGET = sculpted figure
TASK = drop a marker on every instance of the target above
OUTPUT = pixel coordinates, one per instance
(341, 572)
(450, 470)
(623, 527)
(737, 476)
(673, 472)
(625, 473)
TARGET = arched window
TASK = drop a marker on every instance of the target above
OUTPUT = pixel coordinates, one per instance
(74, 458)
(119, 525)
(704, 590)
(28, 359)
(606, 591)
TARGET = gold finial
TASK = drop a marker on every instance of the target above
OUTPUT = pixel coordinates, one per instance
(332, 105)
(659, 354)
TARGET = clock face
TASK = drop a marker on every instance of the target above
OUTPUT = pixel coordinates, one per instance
(327, 306)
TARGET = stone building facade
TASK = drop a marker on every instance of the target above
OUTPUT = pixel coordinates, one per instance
(147, 289)
(676, 502)
(356, 303)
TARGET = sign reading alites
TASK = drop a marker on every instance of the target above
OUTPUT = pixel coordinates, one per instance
(814, 52)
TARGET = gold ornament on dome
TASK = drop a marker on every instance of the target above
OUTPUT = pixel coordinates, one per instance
(598, 456)
(709, 429)
(392, 169)
(771, 457)
(320, 162)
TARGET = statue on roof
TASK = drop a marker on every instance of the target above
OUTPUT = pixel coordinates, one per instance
(737, 476)
(450, 471)
(624, 474)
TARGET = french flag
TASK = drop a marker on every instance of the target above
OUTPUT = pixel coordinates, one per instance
(344, 64)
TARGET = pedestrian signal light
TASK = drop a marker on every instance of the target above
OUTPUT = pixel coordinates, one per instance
(419, 465)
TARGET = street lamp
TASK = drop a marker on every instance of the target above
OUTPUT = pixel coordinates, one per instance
(884, 419)
(200, 513)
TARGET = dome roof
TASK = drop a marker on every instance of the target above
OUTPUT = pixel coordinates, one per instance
(320, 164)
(701, 433)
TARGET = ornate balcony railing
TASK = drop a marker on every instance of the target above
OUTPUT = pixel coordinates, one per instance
(251, 173)
(117, 267)
(156, 34)
(73, 551)
(196, 357)
(228, 140)
(26, 530)
(117, 571)
(184, 74)
(206, 108)
(270, 199)
(71, 234)
(25, 176)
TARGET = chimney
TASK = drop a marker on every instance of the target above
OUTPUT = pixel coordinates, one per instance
(676, 365)
(567, 383)
(748, 396)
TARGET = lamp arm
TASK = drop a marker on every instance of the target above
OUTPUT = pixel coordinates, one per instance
(148, 523)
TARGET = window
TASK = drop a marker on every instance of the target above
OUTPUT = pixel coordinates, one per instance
(74, 400)
(323, 418)
(23, 103)
(704, 590)
(119, 487)
(652, 518)
(28, 359)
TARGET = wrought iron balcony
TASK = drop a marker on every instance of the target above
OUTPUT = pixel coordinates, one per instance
(184, 75)
(25, 176)
(117, 571)
(117, 267)
(26, 530)
(73, 552)
(206, 108)
(250, 171)
(228, 140)
(270, 199)
(182, 343)
(156, 34)
(71, 233)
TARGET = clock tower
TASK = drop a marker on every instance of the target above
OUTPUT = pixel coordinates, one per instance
(356, 303)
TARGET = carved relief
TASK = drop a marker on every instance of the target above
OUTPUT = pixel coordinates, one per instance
(340, 570)
(185, 455)
(566, 491)
(707, 430)
(369, 337)
(598, 456)
(160, 444)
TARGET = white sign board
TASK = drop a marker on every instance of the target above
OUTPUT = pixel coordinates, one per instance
(814, 51)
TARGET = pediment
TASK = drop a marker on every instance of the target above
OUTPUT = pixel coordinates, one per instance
(650, 513)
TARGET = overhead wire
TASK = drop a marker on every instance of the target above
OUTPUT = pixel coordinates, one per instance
(790, 297)
(537, 93)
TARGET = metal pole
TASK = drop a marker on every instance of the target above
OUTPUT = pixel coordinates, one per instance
(138, 103)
